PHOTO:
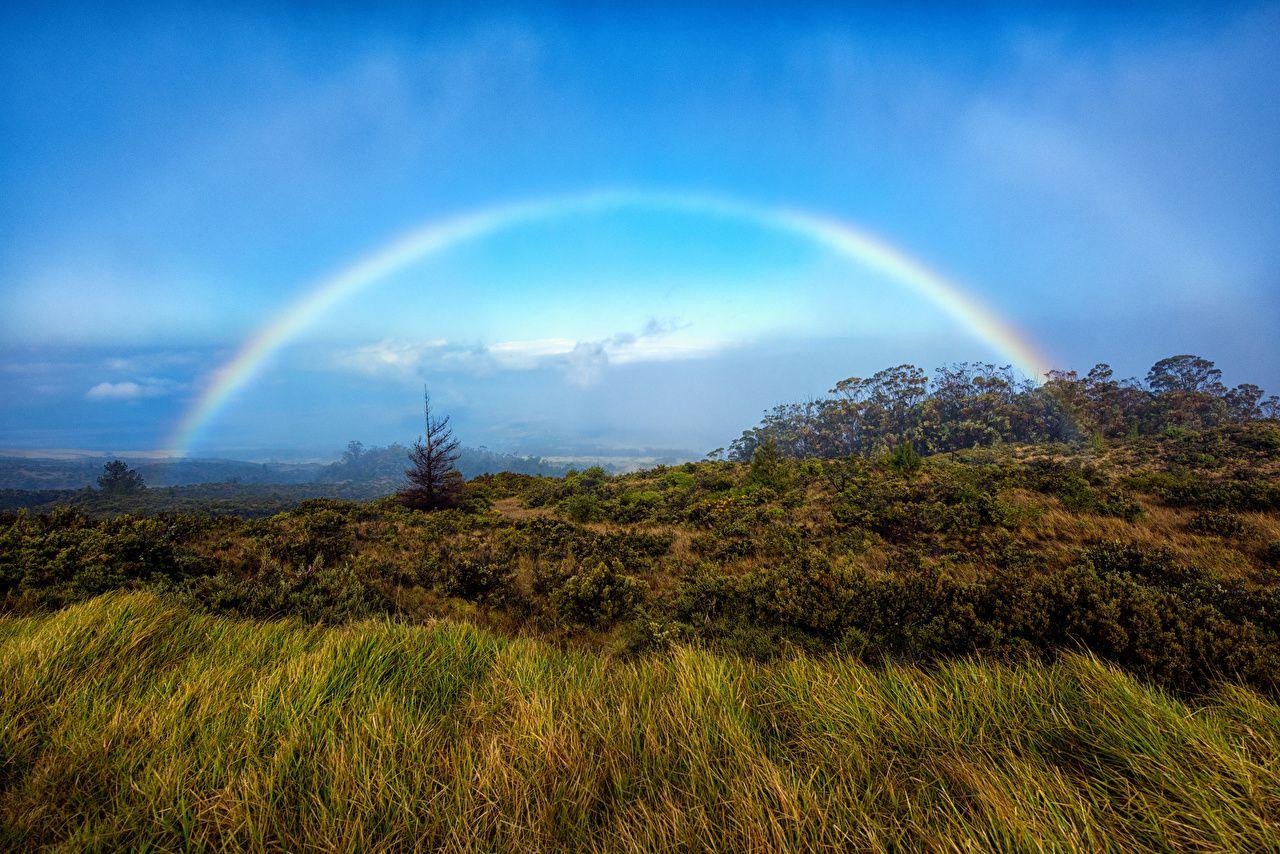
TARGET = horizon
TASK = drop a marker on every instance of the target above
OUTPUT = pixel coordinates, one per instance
(259, 230)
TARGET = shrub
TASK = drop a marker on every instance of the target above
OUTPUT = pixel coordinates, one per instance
(469, 576)
(1220, 523)
(63, 557)
(326, 594)
(314, 534)
(768, 469)
(1113, 502)
(904, 459)
(581, 507)
(595, 593)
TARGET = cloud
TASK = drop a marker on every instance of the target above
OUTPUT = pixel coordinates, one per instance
(130, 390)
(580, 361)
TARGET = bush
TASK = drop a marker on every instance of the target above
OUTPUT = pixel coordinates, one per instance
(1219, 523)
(54, 560)
(326, 594)
(594, 593)
(317, 533)
(904, 459)
(582, 507)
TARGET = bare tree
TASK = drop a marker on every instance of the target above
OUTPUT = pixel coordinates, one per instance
(434, 478)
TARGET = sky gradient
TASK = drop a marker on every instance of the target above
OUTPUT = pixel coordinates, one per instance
(173, 179)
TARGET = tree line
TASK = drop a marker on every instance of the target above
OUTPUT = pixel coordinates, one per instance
(967, 405)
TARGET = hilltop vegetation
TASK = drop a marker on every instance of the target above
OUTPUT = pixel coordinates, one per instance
(975, 405)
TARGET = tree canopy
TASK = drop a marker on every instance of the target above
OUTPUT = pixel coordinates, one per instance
(118, 479)
(967, 405)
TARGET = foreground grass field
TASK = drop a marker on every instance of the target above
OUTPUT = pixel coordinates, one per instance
(132, 722)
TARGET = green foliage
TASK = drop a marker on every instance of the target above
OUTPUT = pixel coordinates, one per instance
(582, 507)
(1168, 623)
(594, 592)
(320, 593)
(1220, 523)
(768, 469)
(53, 560)
(904, 459)
(318, 533)
(118, 479)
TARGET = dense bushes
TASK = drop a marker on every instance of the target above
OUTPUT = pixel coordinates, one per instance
(1135, 608)
(322, 594)
(1080, 490)
(63, 557)
(1221, 523)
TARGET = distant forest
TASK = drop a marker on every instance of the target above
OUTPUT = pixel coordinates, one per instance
(381, 468)
(970, 405)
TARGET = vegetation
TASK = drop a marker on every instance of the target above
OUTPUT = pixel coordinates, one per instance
(1010, 645)
(434, 480)
(132, 723)
(118, 479)
(1155, 553)
(978, 405)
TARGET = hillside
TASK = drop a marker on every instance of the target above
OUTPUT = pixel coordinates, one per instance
(1158, 553)
(1067, 644)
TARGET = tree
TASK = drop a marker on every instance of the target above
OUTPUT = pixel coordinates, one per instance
(118, 479)
(1186, 373)
(434, 478)
(1244, 402)
(354, 451)
(767, 467)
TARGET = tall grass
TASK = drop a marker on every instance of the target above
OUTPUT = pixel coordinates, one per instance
(128, 722)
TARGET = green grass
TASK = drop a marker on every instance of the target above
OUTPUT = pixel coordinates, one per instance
(131, 722)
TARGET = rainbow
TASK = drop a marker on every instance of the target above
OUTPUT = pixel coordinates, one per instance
(440, 235)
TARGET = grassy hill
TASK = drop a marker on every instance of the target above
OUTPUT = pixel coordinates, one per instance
(1072, 645)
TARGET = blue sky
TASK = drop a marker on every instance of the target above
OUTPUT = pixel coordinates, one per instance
(173, 177)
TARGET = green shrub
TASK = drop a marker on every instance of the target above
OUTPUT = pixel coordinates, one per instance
(1219, 523)
(768, 469)
(60, 558)
(581, 507)
(325, 594)
(904, 459)
(314, 534)
(594, 593)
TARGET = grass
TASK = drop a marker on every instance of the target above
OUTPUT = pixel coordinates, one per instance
(131, 722)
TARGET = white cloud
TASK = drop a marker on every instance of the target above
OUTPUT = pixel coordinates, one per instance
(130, 390)
(581, 362)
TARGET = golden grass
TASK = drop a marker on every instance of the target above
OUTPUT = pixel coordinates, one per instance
(1058, 535)
(128, 722)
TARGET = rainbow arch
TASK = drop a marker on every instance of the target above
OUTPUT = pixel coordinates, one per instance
(440, 235)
